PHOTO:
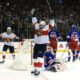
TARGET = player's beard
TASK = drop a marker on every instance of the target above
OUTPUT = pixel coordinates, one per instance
(8, 32)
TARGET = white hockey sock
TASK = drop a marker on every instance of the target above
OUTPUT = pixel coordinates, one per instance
(40, 64)
(35, 64)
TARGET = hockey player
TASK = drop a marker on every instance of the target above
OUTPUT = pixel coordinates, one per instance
(51, 63)
(49, 60)
(54, 37)
(73, 39)
(8, 38)
(41, 40)
(78, 51)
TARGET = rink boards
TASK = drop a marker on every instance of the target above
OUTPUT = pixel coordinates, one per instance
(62, 49)
(62, 46)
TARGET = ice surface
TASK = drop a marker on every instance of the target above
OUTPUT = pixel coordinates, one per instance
(71, 73)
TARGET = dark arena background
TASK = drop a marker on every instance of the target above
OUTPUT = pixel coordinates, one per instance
(16, 14)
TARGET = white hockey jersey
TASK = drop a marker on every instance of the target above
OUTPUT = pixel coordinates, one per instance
(43, 38)
(8, 38)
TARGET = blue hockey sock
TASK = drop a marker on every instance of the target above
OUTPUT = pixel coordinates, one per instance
(74, 57)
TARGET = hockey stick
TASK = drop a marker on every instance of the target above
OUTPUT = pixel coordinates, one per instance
(49, 6)
(31, 52)
(63, 52)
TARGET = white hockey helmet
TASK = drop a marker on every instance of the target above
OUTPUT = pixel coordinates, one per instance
(42, 23)
(8, 28)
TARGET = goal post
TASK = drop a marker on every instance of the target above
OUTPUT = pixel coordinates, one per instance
(24, 57)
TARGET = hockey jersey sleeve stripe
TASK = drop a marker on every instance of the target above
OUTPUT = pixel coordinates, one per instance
(42, 32)
(51, 61)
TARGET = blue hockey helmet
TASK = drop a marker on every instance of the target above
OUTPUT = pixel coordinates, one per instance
(74, 28)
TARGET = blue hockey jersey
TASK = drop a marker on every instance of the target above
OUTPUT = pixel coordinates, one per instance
(49, 59)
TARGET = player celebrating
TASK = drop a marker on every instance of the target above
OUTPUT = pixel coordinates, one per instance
(54, 36)
(73, 39)
(8, 38)
(41, 40)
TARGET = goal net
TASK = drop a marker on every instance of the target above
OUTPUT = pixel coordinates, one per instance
(23, 57)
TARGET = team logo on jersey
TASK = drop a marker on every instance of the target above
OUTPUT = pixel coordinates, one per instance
(60, 46)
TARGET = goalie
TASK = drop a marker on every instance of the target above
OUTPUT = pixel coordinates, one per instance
(8, 38)
(51, 63)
